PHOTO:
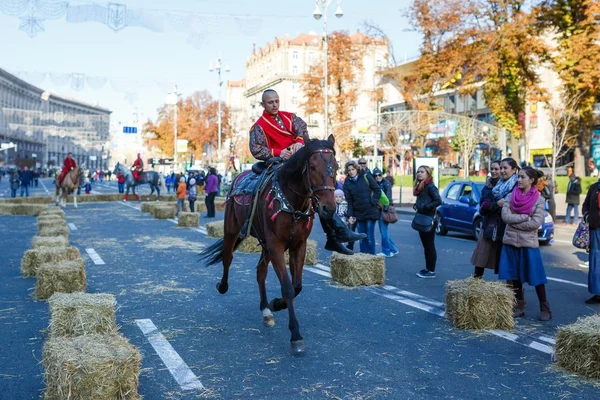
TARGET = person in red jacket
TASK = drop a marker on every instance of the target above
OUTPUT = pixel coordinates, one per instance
(138, 167)
(68, 165)
(279, 134)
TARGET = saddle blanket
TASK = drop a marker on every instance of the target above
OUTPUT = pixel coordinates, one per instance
(245, 187)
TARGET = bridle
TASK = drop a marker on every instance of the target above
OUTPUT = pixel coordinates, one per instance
(329, 158)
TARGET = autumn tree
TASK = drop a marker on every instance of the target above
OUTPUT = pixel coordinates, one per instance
(345, 66)
(465, 141)
(197, 122)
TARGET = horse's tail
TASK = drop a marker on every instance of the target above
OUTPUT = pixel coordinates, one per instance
(213, 254)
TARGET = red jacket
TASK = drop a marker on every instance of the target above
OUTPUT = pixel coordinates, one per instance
(68, 164)
(279, 138)
(139, 163)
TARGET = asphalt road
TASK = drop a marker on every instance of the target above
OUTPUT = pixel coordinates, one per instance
(361, 343)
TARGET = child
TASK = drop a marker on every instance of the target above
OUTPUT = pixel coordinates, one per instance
(342, 205)
(87, 186)
(193, 194)
(181, 195)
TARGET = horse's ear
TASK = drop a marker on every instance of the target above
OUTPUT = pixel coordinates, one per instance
(305, 137)
(331, 139)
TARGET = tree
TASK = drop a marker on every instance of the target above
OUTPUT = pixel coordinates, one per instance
(464, 141)
(345, 66)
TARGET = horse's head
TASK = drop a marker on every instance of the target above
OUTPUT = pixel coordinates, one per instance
(117, 168)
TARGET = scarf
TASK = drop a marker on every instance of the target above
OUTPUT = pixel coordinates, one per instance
(522, 203)
(278, 138)
(504, 187)
(419, 186)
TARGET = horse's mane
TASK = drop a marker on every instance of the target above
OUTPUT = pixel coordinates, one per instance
(293, 166)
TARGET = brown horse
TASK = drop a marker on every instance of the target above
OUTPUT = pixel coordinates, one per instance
(68, 184)
(283, 220)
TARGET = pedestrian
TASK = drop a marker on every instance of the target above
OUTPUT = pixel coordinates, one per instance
(88, 186)
(390, 178)
(210, 188)
(168, 182)
(200, 182)
(573, 192)
(181, 195)
(428, 200)
(591, 215)
(121, 182)
(520, 260)
(25, 177)
(36, 178)
(362, 194)
(193, 194)
(548, 189)
(341, 207)
(388, 248)
(14, 184)
(485, 254)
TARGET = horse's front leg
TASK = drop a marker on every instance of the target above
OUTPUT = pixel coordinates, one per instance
(151, 192)
(261, 276)
(287, 292)
(137, 197)
(297, 256)
(75, 198)
(127, 193)
(57, 195)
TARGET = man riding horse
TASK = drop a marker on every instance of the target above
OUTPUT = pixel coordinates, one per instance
(68, 165)
(137, 167)
(279, 134)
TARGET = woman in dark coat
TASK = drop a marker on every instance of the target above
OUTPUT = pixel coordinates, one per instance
(362, 193)
(428, 200)
(591, 214)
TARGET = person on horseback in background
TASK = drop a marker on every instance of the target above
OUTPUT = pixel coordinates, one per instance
(68, 165)
(137, 167)
(279, 134)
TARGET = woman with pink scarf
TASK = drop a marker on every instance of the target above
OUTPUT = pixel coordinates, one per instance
(520, 260)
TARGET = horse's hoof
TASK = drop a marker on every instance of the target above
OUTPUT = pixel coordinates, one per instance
(298, 348)
(222, 288)
(269, 322)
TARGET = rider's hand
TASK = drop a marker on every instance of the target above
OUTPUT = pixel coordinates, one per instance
(296, 147)
(285, 154)
(501, 203)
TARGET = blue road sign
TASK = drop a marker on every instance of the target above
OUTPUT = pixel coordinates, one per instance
(129, 129)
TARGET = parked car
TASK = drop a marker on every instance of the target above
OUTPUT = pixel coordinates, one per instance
(459, 211)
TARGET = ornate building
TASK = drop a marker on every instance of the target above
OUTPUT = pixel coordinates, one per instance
(45, 127)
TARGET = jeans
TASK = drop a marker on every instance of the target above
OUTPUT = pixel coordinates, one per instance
(428, 241)
(367, 226)
(209, 200)
(180, 205)
(192, 205)
(568, 216)
(387, 245)
(168, 188)
(25, 189)
(13, 193)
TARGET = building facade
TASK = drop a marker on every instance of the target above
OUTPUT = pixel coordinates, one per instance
(45, 127)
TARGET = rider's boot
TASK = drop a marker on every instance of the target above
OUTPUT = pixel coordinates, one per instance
(126, 197)
(338, 233)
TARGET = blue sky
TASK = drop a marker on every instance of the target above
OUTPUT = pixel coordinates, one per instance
(140, 65)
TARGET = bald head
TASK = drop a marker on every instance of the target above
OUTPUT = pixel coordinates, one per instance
(270, 101)
(267, 92)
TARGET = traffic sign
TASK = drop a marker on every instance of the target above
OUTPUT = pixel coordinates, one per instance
(129, 129)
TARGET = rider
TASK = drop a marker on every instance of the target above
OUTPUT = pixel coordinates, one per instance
(138, 167)
(279, 134)
(68, 165)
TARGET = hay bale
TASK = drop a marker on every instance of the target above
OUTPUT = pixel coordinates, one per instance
(76, 314)
(61, 277)
(187, 219)
(52, 211)
(91, 367)
(54, 223)
(358, 270)
(477, 304)
(32, 210)
(47, 241)
(53, 231)
(32, 259)
(50, 217)
(249, 245)
(215, 229)
(164, 212)
(311, 253)
(145, 207)
(577, 347)
(160, 204)
(6, 208)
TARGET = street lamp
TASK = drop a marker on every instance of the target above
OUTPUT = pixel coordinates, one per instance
(172, 100)
(317, 14)
(217, 66)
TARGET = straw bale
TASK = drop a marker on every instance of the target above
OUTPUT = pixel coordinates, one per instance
(311, 253)
(43, 224)
(61, 277)
(47, 241)
(91, 367)
(50, 217)
(145, 206)
(31, 210)
(164, 212)
(32, 259)
(361, 269)
(187, 219)
(215, 229)
(76, 314)
(161, 204)
(54, 231)
(577, 347)
(477, 304)
(249, 245)
(6, 209)
(52, 211)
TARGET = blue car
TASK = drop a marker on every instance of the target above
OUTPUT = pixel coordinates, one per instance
(459, 211)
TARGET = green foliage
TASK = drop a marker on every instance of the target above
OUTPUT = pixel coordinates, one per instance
(357, 148)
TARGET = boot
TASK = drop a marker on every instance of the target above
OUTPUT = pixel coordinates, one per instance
(546, 313)
(337, 232)
(519, 309)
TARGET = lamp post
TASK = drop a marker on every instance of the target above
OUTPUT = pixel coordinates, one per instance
(317, 14)
(218, 66)
(45, 96)
(172, 100)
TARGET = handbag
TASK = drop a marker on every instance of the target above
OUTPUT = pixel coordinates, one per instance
(423, 223)
(581, 238)
(390, 215)
(490, 230)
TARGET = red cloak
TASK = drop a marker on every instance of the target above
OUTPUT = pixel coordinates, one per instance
(277, 138)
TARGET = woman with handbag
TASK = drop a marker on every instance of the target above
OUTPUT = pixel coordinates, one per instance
(428, 200)
(485, 255)
(388, 248)
(591, 215)
(520, 260)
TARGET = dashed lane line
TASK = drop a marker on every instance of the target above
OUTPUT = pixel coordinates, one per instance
(174, 363)
(72, 226)
(94, 256)
(130, 205)
(566, 281)
(44, 186)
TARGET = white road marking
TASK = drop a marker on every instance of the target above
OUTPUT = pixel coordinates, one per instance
(563, 241)
(130, 205)
(568, 282)
(174, 363)
(72, 226)
(44, 186)
(94, 256)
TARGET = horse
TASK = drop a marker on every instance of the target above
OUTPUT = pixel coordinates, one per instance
(153, 178)
(283, 220)
(69, 183)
